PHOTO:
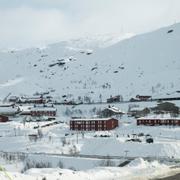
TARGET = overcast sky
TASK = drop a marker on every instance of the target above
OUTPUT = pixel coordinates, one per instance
(25, 23)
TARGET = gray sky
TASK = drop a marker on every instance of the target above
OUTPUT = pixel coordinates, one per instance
(25, 23)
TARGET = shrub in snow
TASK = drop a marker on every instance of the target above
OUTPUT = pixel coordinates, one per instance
(68, 112)
(40, 133)
(107, 162)
(63, 140)
(87, 99)
(72, 168)
(73, 150)
(12, 157)
(166, 107)
(60, 164)
(33, 137)
(33, 164)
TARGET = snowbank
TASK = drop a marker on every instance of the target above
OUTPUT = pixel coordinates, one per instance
(135, 170)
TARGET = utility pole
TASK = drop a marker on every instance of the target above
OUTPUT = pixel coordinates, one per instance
(77, 137)
(126, 152)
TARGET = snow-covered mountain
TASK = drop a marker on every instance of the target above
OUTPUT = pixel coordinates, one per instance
(98, 41)
(144, 64)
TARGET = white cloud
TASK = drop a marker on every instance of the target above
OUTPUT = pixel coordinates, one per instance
(29, 26)
(44, 21)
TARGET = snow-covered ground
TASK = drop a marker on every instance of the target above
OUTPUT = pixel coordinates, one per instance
(137, 169)
(14, 135)
(58, 141)
(166, 140)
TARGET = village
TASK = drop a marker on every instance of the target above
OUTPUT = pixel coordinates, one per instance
(120, 131)
(90, 90)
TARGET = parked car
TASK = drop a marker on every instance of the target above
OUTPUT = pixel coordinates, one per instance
(149, 140)
(141, 134)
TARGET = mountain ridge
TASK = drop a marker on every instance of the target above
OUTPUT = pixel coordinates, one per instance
(144, 64)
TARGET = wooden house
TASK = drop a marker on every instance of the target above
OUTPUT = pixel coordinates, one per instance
(3, 118)
(43, 111)
(113, 99)
(143, 98)
(159, 121)
(32, 100)
(110, 111)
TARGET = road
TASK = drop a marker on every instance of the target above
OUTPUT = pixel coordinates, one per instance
(173, 177)
(26, 154)
(121, 102)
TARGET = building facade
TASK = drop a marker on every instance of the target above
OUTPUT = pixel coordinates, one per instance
(102, 124)
(143, 98)
(158, 121)
(32, 100)
(3, 118)
(113, 99)
(43, 111)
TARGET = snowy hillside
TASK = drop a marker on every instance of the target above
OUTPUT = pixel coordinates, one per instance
(145, 64)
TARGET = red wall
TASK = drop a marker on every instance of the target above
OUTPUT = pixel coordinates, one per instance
(158, 122)
(3, 118)
(93, 125)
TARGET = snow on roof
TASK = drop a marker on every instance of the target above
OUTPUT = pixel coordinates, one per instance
(9, 109)
(43, 108)
(31, 98)
(92, 119)
(25, 108)
(116, 110)
(136, 108)
(6, 104)
(13, 97)
(159, 116)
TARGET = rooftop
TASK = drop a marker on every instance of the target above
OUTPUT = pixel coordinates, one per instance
(92, 119)
(160, 116)
(116, 110)
(42, 108)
